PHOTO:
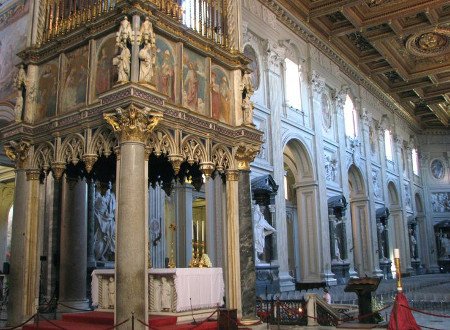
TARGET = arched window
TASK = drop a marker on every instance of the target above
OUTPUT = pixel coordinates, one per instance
(415, 161)
(292, 84)
(388, 144)
(350, 118)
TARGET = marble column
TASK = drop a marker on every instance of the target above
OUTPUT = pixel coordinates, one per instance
(135, 44)
(131, 223)
(233, 272)
(211, 221)
(275, 58)
(184, 230)
(90, 224)
(73, 251)
(319, 224)
(156, 217)
(6, 202)
(24, 273)
(246, 245)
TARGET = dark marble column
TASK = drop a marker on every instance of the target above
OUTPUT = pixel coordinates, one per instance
(72, 292)
(90, 225)
(246, 248)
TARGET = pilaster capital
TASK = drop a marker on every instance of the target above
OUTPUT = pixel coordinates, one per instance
(33, 175)
(340, 97)
(58, 169)
(232, 175)
(275, 55)
(18, 152)
(245, 154)
(317, 83)
(133, 124)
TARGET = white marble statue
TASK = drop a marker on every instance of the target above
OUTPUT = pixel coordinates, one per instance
(147, 59)
(20, 84)
(104, 210)
(412, 244)
(166, 295)
(247, 92)
(123, 61)
(261, 229)
(146, 32)
(111, 292)
(125, 33)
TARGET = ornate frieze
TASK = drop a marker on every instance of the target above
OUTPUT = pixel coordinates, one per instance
(18, 152)
(133, 124)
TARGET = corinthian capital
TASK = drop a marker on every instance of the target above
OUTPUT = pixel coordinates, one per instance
(275, 55)
(133, 124)
(18, 152)
(340, 98)
(317, 83)
(245, 154)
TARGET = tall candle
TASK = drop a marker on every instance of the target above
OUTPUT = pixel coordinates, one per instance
(203, 230)
(396, 254)
(197, 238)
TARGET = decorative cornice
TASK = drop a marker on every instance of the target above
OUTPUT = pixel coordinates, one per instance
(133, 124)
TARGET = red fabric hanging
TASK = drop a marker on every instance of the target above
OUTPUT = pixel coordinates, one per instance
(401, 316)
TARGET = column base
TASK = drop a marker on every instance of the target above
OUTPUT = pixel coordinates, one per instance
(287, 282)
(434, 269)
(329, 278)
(72, 306)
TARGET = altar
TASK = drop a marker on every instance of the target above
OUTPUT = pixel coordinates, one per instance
(169, 290)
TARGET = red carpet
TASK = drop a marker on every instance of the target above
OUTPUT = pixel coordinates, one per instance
(105, 320)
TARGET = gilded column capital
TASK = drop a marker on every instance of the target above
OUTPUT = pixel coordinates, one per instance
(133, 124)
(232, 175)
(89, 161)
(18, 152)
(339, 98)
(58, 169)
(245, 154)
(33, 175)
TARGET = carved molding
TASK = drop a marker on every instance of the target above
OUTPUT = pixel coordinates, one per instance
(245, 155)
(18, 152)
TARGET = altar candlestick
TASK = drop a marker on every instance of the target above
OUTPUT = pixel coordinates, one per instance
(398, 270)
(197, 231)
(203, 231)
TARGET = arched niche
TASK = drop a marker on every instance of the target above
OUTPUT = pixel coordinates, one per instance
(393, 195)
(356, 182)
(297, 157)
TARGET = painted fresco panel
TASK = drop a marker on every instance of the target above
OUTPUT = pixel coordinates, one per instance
(73, 85)
(105, 73)
(165, 68)
(47, 87)
(195, 82)
(221, 97)
(12, 40)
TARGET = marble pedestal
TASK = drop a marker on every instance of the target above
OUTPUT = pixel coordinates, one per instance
(267, 279)
(341, 270)
(385, 266)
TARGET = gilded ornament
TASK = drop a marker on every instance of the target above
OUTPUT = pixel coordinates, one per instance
(17, 152)
(58, 169)
(232, 175)
(89, 161)
(245, 155)
(33, 175)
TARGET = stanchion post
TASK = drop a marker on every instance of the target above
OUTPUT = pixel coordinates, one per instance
(398, 271)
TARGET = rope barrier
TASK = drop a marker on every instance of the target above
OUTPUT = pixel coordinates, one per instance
(74, 308)
(117, 325)
(52, 323)
(20, 325)
(426, 313)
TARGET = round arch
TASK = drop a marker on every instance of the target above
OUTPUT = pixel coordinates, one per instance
(393, 194)
(297, 157)
(356, 182)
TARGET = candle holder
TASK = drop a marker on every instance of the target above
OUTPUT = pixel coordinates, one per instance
(194, 261)
(398, 271)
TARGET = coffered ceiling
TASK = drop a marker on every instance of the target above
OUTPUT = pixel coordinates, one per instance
(401, 45)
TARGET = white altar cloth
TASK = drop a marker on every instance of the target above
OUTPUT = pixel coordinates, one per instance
(196, 288)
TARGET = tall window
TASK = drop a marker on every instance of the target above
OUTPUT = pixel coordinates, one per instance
(388, 144)
(350, 118)
(415, 161)
(292, 84)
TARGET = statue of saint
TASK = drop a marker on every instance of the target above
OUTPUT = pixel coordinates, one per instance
(412, 243)
(146, 32)
(247, 92)
(20, 84)
(104, 211)
(125, 32)
(147, 58)
(111, 292)
(166, 295)
(261, 229)
(123, 61)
